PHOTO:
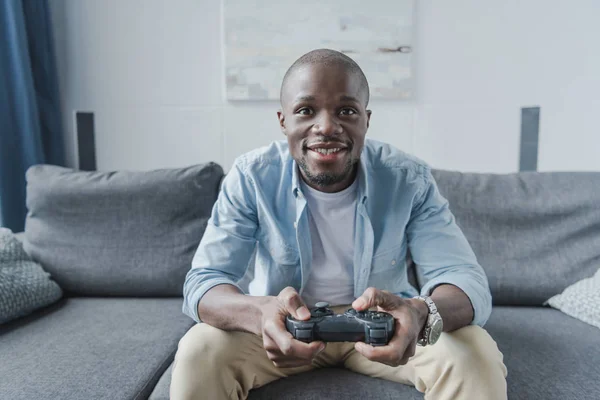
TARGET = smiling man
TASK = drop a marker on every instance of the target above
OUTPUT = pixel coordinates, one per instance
(330, 216)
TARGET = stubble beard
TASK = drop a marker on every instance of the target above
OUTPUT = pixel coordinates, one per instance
(326, 179)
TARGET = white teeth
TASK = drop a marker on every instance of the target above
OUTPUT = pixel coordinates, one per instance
(327, 151)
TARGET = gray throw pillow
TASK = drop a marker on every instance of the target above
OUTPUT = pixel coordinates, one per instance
(24, 285)
(581, 300)
(121, 233)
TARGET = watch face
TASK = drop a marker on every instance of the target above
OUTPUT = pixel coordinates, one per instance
(436, 330)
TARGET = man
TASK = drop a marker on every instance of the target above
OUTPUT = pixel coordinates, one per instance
(331, 217)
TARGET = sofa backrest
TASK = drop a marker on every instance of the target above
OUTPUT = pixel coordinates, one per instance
(135, 233)
(118, 233)
(533, 233)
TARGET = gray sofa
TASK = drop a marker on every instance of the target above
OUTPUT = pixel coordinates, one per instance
(119, 245)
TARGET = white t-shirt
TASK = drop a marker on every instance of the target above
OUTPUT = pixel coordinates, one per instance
(332, 221)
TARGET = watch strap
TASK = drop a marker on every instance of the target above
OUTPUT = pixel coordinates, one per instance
(423, 339)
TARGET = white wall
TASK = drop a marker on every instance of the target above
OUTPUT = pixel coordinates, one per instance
(152, 72)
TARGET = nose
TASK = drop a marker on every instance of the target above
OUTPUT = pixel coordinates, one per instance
(327, 125)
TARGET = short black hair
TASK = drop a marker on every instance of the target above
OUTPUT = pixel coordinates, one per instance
(328, 57)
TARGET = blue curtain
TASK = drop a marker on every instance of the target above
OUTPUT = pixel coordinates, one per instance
(30, 121)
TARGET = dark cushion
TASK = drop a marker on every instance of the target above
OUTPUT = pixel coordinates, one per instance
(90, 348)
(548, 354)
(118, 233)
(533, 233)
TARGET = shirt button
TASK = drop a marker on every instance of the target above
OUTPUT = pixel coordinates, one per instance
(295, 225)
(393, 262)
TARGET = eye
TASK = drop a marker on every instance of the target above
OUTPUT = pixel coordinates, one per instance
(348, 111)
(305, 111)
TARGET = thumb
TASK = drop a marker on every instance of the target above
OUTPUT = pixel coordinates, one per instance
(373, 297)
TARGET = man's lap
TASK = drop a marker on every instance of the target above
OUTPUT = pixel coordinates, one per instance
(463, 361)
(245, 350)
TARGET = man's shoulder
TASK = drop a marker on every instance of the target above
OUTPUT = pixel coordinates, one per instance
(383, 156)
(266, 165)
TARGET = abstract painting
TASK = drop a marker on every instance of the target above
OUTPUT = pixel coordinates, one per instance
(264, 37)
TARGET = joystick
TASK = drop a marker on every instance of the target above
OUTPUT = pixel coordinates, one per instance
(321, 309)
(372, 327)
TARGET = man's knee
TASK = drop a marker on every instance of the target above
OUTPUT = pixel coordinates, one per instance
(206, 345)
(470, 351)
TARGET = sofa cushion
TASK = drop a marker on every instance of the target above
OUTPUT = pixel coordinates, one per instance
(161, 390)
(90, 348)
(533, 233)
(581, 300)
(24, 285)
(334, 383)
(118, 233)
(548, 354)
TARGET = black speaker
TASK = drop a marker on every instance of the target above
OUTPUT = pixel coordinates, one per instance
(86, 144)
(530, 134)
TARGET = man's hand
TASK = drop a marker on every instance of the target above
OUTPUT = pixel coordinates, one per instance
(281, 347)
(410, 316)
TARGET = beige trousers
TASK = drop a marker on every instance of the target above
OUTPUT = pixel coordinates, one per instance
(215, 364)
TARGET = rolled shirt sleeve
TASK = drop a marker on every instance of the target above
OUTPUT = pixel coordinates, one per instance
(227, 245)
(441, 252)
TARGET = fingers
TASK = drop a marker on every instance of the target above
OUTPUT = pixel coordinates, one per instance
(399, 350)
(293, 303)
(373, 297)
(281, 347)
(284, 350)
(285, 361)
(288, 346)
(394, 354)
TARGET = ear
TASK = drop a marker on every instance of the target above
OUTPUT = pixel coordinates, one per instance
(368, 118)
(281, 119)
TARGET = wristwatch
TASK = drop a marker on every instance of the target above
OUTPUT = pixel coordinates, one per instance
(434, 326)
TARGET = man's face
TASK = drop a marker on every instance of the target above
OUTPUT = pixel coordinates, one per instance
(325, 120)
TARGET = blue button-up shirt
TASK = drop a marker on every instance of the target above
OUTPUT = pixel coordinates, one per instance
(261, 208)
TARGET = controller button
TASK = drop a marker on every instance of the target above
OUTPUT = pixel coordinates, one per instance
(322, 304)
(377, 333)
(303, 334)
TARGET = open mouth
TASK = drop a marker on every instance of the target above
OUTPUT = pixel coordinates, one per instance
(326, 154)
(327, 151)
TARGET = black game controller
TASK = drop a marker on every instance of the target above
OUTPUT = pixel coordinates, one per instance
(372, 327)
